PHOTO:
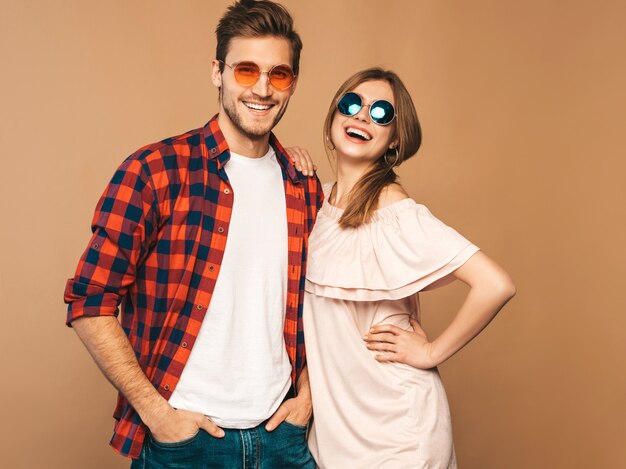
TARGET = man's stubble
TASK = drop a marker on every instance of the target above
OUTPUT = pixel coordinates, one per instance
(251, 132)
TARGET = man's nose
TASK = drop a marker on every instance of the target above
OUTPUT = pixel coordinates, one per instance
(262, 86)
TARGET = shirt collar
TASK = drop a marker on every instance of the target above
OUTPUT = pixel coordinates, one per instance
(217, 149)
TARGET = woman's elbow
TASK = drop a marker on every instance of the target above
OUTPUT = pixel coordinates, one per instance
(489, 278)
(498, 285)
(505, 288)
(510, 290)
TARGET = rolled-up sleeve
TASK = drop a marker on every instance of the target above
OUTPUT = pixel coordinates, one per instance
(124, 222)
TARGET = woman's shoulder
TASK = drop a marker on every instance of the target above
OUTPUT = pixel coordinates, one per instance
(391, 194)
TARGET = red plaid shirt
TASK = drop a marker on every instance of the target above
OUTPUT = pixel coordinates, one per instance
(159, 233)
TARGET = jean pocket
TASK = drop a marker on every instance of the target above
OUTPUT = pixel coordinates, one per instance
(175, 444)
(296, 426)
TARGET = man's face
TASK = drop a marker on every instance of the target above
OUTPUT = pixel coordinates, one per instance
(253, 110)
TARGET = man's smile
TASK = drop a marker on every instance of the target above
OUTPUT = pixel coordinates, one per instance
(257, 106)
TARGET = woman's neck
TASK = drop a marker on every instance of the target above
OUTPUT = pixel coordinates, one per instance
(347, 176)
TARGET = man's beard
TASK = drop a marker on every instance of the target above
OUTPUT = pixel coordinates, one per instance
(252, 133)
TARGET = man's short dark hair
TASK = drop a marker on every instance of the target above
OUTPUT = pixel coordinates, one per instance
(257, 18)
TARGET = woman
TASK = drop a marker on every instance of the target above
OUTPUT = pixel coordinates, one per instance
(378, 401)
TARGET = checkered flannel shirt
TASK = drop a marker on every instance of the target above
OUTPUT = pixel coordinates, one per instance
(159, 234)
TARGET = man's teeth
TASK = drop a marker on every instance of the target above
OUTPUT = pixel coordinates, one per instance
(358, 133)
(258, 107)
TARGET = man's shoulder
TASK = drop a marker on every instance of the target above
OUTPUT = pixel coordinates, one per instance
(178, 145)
(311, 183)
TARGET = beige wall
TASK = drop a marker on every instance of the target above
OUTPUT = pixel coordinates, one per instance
(522, 105)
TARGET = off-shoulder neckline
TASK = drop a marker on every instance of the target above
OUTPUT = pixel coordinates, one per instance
(391, 209)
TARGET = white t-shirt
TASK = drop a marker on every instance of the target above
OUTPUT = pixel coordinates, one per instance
(239, 372)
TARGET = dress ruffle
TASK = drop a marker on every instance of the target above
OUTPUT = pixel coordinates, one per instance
(402, 250)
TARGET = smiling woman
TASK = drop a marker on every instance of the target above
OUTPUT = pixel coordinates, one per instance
(378, 400)
(387, 141)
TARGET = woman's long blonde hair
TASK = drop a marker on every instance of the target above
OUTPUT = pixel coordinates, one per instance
(364, 195)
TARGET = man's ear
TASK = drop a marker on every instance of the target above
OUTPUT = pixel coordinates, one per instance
(216, 75)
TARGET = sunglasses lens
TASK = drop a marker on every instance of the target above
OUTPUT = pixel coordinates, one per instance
(349, 104)
(382, 112)
(247, 73)
(281, 77)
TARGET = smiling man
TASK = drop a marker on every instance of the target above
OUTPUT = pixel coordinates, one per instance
(202, 240)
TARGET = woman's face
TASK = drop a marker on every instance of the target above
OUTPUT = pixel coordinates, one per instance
(357, 138)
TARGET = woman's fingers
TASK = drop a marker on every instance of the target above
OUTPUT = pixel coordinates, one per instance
(378, 328)
(389, 358)
(302, 160)
(306, 162)
(296, 156)
(380, 337)
(381, 346)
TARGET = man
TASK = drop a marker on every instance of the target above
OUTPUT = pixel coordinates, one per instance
(202, 239)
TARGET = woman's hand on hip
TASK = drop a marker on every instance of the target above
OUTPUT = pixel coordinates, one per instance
(400, 346)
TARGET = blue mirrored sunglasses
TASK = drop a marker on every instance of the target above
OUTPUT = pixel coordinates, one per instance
(382, 112)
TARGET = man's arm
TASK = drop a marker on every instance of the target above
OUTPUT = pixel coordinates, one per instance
(124, 223)
(107, 343)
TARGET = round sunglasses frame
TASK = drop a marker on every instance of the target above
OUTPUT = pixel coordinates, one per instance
(361, 106)
(234, 66)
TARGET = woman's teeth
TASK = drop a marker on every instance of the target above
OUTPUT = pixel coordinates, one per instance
(357, 133)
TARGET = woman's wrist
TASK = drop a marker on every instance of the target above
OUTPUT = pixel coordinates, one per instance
(435, 353)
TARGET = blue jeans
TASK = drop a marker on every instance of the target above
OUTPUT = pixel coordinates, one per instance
(252, 448)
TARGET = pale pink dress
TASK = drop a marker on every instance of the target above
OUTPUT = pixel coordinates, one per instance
(369, 414)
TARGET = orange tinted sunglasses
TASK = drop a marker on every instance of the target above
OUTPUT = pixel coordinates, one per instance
(248, 73)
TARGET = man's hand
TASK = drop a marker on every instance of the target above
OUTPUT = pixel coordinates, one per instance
(297, 411)
(302, 160)
(175, 425)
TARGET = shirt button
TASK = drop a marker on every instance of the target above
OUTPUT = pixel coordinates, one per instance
(227, 191)
(213, 151)
(211, 268)
(184, 345)
(220, 230)
(166, 387)
(96, 246)
(199, 306)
